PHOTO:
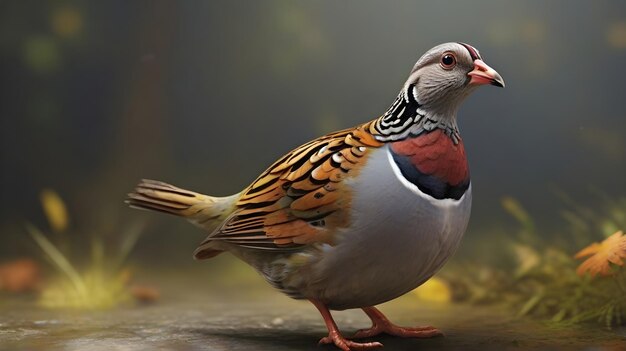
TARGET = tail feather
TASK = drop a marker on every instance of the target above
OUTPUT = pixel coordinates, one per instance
(159, 196)
(204, 211)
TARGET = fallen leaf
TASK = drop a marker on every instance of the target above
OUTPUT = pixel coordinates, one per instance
(611, 250)
(144, 293)
(19, 276)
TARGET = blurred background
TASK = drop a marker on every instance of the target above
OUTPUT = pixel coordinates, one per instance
(207, 94)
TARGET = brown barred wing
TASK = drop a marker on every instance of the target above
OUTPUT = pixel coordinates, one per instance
(300, 198)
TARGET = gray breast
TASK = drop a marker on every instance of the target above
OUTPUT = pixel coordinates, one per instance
(398, 238)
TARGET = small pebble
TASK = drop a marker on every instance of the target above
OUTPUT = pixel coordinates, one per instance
(278, 321)
(145, 294)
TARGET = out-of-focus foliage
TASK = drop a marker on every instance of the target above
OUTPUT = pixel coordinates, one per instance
(95, 288)
(67, 21)
(607, 141)
(585, 224)
(515, 209)
(616, 35)
(42, 54)
(542, 279)
(299, 37)
(54, 209)
(104, 283)
(434, 290)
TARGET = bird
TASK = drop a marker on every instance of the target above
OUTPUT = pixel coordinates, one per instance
(357, 217)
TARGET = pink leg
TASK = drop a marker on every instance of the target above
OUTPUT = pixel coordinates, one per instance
(380, 324)
(335, 337)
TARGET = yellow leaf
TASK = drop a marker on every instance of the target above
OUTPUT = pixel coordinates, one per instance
(611, 250)
(527, 258)
(434, 290)
(515, 209)
(54, 209)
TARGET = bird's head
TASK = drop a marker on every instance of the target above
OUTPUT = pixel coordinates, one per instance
(446, 74)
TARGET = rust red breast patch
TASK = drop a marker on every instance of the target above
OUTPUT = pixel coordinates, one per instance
(434, 161)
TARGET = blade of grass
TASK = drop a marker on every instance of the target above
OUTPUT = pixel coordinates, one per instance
(129, 241)
(97, 253)
(529, 305)
(57, 257)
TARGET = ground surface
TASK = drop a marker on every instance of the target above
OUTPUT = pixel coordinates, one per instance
(257, 318)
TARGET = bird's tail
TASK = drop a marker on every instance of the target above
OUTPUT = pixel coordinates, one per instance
(207, 212)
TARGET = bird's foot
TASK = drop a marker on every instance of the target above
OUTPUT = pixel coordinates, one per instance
(404, 332)
(348, 345)
(380, 324)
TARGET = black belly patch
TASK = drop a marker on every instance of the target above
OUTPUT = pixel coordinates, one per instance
(427, 183)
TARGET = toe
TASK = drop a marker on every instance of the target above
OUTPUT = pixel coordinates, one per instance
(348, 345)
(418, 332)
(428, 327)
(355, 346)
(325, 340)
(366, 333)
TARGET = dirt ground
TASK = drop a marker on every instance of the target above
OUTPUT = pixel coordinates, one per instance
(244, 313)
(262, 319)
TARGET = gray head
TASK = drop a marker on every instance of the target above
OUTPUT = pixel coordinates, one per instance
(446, 74)
(430, 98)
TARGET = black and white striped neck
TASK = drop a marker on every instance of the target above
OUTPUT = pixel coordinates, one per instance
(406, 118)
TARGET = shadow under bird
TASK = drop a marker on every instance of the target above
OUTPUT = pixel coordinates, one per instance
(357, 217)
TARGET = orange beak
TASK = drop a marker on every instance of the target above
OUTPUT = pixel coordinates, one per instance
(483, 74)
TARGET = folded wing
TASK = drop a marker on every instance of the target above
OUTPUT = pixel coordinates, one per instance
(300, 198)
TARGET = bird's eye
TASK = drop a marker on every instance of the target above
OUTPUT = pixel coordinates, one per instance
(448, 61)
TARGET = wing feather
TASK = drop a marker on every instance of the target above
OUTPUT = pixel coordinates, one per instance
(300, 197)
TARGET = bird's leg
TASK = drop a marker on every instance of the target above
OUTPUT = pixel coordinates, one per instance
(335, 337)
(380, 324)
